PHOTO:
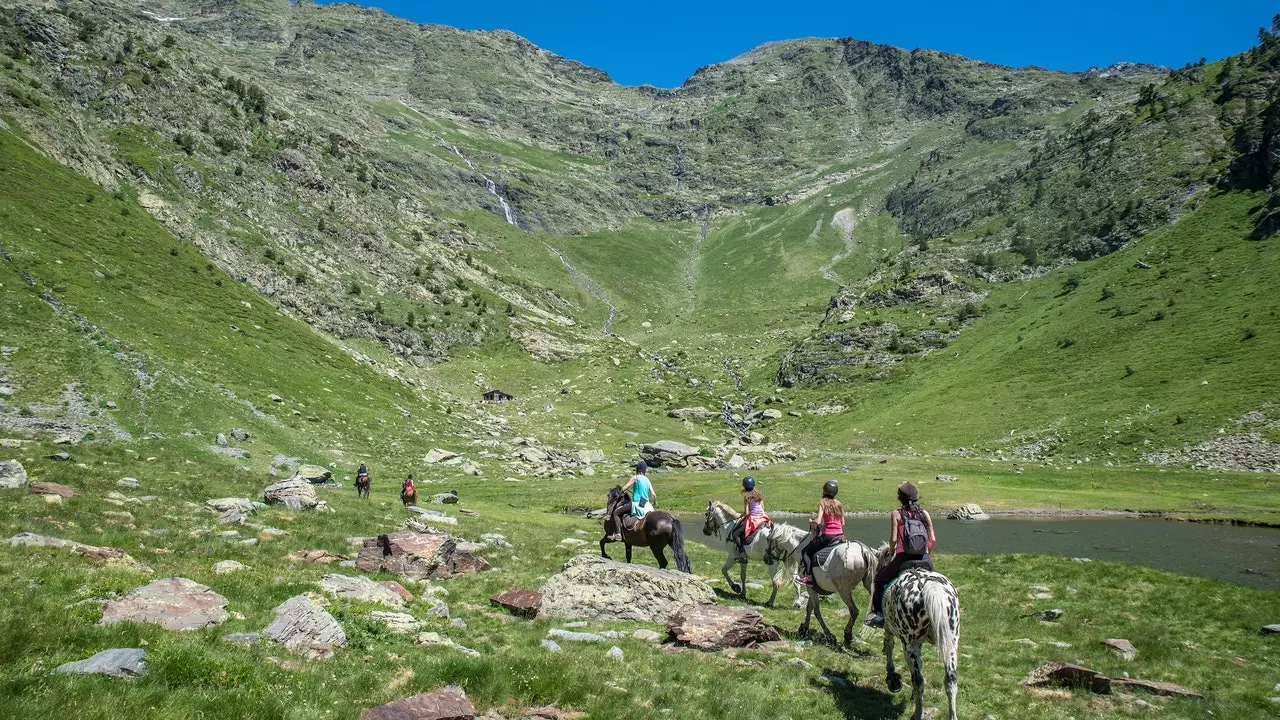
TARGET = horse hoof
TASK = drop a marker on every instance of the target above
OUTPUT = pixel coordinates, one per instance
(894, 682)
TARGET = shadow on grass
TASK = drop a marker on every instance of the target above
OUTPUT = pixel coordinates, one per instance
(859, 702)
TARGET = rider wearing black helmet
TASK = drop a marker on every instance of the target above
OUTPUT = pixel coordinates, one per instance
(827, 529)
(753, 515)
(911, 536)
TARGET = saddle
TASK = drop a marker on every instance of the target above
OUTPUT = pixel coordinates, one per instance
(822, 556)
(631, 523)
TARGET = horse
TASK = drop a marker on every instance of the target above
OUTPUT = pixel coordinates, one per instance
(409, 498)
(656, 531)
(848, 564)
(362, 486)
(921, 606)
(774, 544)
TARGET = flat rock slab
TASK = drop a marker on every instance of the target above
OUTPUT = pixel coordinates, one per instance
(520, 602)
(447, 703)
(438, 455)
(592, 587)
(418, 556)
(50, 488)
(359, 588)
(1271, 629)
(711, 627)
(295, 493)
(323, 557)
(118, 662)
(574, 636)
(1155, 687)
(12, 475)
(1122, 647)
(305, 628)
(244, 505)
(224, 567)
(398, 623)
(314, 474)
(105, 555)
(1060, 674)
(174, 603)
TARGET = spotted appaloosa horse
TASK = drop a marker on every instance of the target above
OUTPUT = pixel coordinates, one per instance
(921, 606)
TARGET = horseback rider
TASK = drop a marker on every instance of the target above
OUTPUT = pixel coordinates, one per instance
(827, 529)
(361, 474)
(408, 489)
(642, 497)
(911, 537)
(753, 515)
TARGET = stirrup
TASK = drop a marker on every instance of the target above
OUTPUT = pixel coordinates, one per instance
(875, 621)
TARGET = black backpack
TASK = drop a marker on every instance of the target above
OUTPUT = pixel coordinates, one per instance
(915, 532)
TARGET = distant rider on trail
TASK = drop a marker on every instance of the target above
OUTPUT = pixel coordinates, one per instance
(753, 515)
(642, 497)
(409, 492)
(827, 529)
(911, 537)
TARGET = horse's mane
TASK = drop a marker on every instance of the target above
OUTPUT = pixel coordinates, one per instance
(726, 509)
(615, 493)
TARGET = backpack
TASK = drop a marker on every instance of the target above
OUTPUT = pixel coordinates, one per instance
(915, 533)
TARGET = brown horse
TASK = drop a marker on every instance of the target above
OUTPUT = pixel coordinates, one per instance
(409, 497)
(656, 531)
(362, 486)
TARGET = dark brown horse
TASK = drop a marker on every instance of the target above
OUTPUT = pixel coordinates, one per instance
(656, 531)
(362, 485)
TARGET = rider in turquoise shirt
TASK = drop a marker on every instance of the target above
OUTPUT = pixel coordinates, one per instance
(642, 497)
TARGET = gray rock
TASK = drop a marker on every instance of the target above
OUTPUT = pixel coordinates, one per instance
(117, 662)
(220, 439)
(615, 654)
(313, 473)
(691, 413)
(448, 498)
(573, 636)
(398, 623)
(438, 456)
(127, 482)
(244, 505)
(968, 511)
(647, 635)
(305, 628)
(1122, 647)
(1271, 629)
(430, 638)
(243, 638)
(668, 453)
(12, 475)
(295, 493)
(712, 627)
(946, 478)
(240, 434)
(551, 645)
(360, 589)
(175, 603)
(225, 567)
(592, 587)
(232, 516)
(495, 540)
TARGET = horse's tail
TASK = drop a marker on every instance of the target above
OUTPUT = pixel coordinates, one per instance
(943, 609)
(677, 546)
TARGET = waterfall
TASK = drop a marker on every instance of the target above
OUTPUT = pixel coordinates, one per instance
(492, 187)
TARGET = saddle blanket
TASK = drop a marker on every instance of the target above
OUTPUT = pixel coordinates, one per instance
(631, 522)
(823, 555)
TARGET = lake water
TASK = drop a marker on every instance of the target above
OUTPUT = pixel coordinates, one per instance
(1247, 555)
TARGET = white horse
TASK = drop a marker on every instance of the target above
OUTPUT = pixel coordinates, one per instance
(848, 564)
(775, 544)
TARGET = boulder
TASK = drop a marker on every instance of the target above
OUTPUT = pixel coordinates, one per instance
(398, 623)
(1271, 629)
(438, 456)
(227, 566)
(244, 505)
(240, 434)
(519, 601)
(314, 474)
(668, 453)
(469, 468)
(591, 457)
(447, 703)
(1122, 647)
(771, 414)
(220, 439)
(711, 627)
(12, 475)
(117, 662)
(448, 498)
(591, 587)
(174, 603)
(968, 511)
(359, 589)
(49, 488)
(305, 628)
(417, 556)
(106, 555)
(127, 482)
(691, 413)
(1062, 674)
(59, 457)
(946, 478)
(295, 493)
(232, 517)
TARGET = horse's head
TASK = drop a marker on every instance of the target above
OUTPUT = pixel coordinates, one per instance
(615, 495)
(881, 556)
(718, 516)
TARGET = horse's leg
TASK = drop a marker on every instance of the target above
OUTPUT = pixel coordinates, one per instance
(742, 568)
(949, 678)
(773, 583)
(724, 570)
(628, 551)
(917, 677)
(847, 597)
(604, 554)
(891, 677)
(791, 569)
(817, 611)
(661, 557)
(808, 612)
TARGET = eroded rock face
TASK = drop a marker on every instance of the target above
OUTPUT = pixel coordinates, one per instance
(447, 703)
(711, 627)
(295, 493)
(174, 603)
(592, 587)
(305, 628)
(12, 475)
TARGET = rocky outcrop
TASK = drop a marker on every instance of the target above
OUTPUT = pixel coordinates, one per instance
(305, 628)
(12, 475)
(968, 511)
(591, 587)
(314, 474)
(106, 555)
(437, 455)
(174, 603)
(448, 703)
(711, 627)
(117, 662)
(360, 589)
(668, 453)
(295, 493)
(244, 505)
(692, 413)
(418, 556)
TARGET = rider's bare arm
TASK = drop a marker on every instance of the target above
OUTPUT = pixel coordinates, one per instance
(929, 521)
(630, 482)
(893, 529)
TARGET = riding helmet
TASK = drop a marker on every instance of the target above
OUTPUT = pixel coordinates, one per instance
(748, 483)
(641, 467)
(908, 491)
(830, 488)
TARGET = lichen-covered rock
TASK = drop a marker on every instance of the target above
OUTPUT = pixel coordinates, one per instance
(592, 587)
(106, 555)
(244, 505)
(360, 589)
(418, 555)
(12, 475)
(968, 511)
(175, 603)
(295, 493)
(448, 703)
(668, 453)
(711, 627)
(305, 628)
(314, 474)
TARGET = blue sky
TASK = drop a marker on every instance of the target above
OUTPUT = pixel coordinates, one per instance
(662, 42)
